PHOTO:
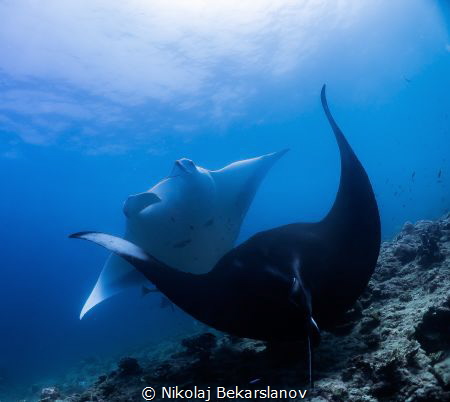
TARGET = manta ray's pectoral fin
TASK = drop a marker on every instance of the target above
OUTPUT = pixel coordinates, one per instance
(127, 250)
(138, 202)
(130, 252)
(238, 182)
(186, 290)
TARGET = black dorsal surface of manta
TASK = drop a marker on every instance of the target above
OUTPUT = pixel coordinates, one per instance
(285, 283)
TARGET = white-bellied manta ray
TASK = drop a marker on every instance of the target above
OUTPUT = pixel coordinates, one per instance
(188, 221)
(285, 283)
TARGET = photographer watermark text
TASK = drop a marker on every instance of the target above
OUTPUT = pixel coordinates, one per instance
(212, 393)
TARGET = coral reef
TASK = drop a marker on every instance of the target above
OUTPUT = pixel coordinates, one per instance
(50, 394)
(394, 345)
(129, 366)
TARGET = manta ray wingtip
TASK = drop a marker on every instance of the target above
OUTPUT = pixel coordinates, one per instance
(80, 235)
(323, 95)
(278, 154)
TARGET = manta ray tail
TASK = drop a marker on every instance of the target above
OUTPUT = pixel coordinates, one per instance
(310, 359)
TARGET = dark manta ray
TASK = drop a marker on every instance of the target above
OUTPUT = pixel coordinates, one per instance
(285, 283)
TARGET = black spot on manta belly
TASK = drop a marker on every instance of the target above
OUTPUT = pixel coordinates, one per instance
(182, 243)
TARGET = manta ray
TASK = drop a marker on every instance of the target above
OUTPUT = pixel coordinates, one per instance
(188, 221)
(285, 283)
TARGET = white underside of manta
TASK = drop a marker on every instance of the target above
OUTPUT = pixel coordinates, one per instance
(188, 221)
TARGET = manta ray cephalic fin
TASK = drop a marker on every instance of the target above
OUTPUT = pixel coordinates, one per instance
(136, 203)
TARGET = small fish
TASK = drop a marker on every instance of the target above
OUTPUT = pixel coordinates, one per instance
(165, 303)
(145, 291)
(209, 223)
(413, 175)
(182, 243)
(439, 173)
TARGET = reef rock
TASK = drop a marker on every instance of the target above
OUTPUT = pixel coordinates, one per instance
(49, 394)
(129, 366)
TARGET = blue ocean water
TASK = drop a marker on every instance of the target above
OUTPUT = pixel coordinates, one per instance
(96, 102)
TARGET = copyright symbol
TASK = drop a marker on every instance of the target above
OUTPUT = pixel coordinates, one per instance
(148, 393)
